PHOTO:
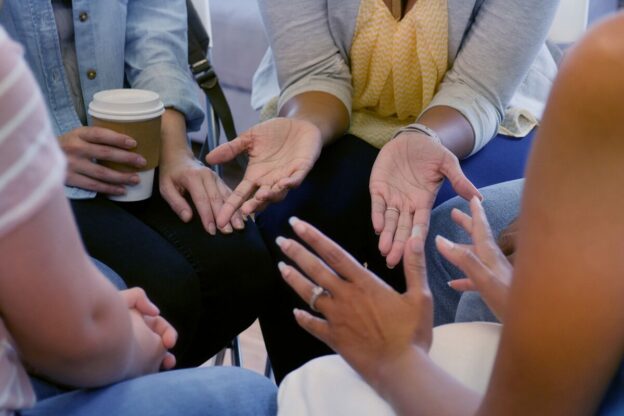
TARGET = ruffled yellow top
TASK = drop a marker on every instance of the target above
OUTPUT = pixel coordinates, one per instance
(396, 66)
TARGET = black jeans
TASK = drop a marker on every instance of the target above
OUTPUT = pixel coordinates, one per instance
(209, 287)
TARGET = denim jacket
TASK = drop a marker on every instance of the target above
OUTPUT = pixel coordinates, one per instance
(137, 43)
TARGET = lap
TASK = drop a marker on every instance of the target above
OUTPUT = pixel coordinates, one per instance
(201, 391)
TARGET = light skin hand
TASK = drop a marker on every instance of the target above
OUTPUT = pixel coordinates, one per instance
(182, 175)
(365, 320)
(139, 303)
(406, 177)
(486, 268)
(83, 146)
(281, 153)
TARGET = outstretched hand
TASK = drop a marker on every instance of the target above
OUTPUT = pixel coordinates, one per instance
(281, 153)
(404, 182)
(486, 268)
(365, 320)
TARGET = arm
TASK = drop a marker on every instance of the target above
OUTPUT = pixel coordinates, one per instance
(495, 55)
(68, 321)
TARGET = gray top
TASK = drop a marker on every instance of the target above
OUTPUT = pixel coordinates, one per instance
(492, 45)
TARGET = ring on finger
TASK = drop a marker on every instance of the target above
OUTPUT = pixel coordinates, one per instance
(317, 292)
(393, 209)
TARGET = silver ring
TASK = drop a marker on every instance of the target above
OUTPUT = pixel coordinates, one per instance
(393, 209)
(317, 292)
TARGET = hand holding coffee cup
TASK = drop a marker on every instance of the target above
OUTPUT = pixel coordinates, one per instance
(136, 114)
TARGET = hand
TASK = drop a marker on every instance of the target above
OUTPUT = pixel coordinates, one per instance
(404, 182)
(366, 321)
(166, 335)
(507, 240)
(281, 153)
(85, 145)
(486, 267)
(181, 174)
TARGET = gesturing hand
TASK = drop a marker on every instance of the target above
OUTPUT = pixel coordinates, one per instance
(366, 321)
(404, 182)
(182, 174)
(153, 333)
(486, 267)
(85, 145)
(281, 153)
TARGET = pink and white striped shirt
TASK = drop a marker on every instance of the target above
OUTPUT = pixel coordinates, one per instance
(31, 168)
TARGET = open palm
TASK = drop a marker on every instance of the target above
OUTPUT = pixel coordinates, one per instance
(404, 182)
(281, 153)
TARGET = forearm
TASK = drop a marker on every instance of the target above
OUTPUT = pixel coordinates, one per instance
(68, 321)
(173, 135)
(453, 128)
(323, 110)
(413, 384)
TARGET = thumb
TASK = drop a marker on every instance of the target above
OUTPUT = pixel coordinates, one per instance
(460, 183)
(414, 261)
(227, 151)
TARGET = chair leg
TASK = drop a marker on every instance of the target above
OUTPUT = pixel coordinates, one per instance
(235, 354)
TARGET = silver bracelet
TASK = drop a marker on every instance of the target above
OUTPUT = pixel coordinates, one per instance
(420, 128)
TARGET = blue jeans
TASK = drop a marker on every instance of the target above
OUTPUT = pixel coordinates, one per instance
(199, 391)
(502, 205)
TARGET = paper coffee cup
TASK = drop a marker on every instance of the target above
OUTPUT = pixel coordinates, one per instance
(135, 113)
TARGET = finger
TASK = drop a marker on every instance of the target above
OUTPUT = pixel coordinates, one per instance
(391, 219)
(237, 221)
(421, 219)
(136, 298)
(462, 285)
(332, 254)
(303, 287)
(112, 154)
(481, 231)
(194, 184)
(100, 135)
(260, 198)
(378, 209)
(312, 266)
(460, 183)
(239, 195)
(315, 326)
(84, 182)
(168, 362)
(466, 260)
(404, 228)
(227, 151)
(462, 219)
(414, 262)
(175, 200)
(163, 329)
(100, 173)
(215, 195)
(294, 179)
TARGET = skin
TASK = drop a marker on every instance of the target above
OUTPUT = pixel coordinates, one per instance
(180, 173)
(282, 151)
(565, 296)
(70, 324)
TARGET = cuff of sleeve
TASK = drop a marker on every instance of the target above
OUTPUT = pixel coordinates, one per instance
(338, 90)
(480, 113)
(72, 192)
(176, 89)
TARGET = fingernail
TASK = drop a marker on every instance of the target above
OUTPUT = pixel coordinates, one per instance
(135, 179)
(239, 224)
(417, 231)
(131, 143)
(185, 215)
(281, 242)
(141, 161)
(447, 243)
(296, 224)
(212, 229)
(227, 229)
(297, 312)
(120, 191)
(390, 267)
(450, 283)
(282, 268)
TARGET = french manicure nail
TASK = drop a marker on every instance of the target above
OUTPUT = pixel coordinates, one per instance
(282, 267)
(296, 224)
(450, 283)
(416, 231)
(279, 241)
(239, 224)
(228, 229)
(447, 243)
(212, 229)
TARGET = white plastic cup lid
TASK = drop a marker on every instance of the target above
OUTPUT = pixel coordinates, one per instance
(126, 105)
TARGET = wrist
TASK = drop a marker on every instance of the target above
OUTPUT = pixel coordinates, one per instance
(422, 129)
(391, 371)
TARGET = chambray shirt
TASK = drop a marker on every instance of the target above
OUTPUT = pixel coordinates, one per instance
(119, 43)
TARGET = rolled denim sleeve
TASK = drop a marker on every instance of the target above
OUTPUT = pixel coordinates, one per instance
(495, 56)
(306, 56)
(156, 55)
